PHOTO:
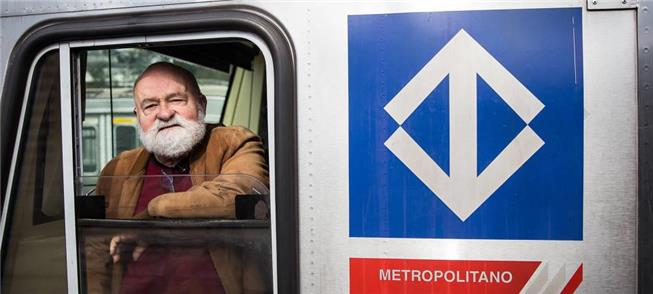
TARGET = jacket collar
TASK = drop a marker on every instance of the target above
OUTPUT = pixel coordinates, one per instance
(138, 165)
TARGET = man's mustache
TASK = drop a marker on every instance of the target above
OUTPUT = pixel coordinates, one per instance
(168, 126)
(161, 125)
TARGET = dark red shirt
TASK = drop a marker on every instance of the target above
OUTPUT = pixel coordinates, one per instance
(168, 269)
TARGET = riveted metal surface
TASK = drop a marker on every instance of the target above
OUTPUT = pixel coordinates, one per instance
(611, 4)
(645, 146)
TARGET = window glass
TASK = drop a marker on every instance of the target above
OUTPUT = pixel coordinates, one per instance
(194, 221)
(34, 260)
(126, 138)
(195, 253)
(90, 162)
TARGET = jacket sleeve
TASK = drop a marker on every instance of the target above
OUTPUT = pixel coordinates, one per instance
(239, 155)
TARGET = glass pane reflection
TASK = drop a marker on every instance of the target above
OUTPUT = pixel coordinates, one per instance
(145, 253)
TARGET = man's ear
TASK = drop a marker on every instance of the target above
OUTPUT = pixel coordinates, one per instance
(202, 100)
(137, 114)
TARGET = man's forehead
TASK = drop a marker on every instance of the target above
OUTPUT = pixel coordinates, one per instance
(156, 82)
(161, 76)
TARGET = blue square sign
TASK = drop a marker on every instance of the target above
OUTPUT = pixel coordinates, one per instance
(466, 124)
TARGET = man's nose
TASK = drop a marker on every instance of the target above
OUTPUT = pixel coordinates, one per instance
(165, 112)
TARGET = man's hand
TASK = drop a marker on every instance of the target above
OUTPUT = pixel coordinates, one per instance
(123, 244)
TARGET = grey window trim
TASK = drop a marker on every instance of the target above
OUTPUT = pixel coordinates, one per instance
(79, 115)
(68, 164)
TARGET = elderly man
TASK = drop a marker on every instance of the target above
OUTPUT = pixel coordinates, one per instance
(147, 182)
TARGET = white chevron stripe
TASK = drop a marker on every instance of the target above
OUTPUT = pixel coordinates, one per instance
(539, 283)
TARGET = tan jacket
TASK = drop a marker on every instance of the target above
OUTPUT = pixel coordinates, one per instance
(225, 151)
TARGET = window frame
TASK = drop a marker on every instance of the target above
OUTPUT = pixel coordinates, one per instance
(9, 197)
(223, 18)
(19, 142)
(182, 38)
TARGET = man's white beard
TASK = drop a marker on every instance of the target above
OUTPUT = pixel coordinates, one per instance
(175, 142)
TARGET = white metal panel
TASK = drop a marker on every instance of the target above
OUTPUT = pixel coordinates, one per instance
(319, 32)
(610, 185)
(30, 7)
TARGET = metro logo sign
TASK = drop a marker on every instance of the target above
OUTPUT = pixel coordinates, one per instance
(464, 190)
(466, 124)
(376, 275)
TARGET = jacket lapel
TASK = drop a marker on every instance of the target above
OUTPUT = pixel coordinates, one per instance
(131, 188)
(197, 161)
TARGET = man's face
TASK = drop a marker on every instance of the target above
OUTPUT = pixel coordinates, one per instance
(170, 118)
(161, 95)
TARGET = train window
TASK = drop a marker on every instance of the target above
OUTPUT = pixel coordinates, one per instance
(189, 210)
(34, 244)
(90, 159)
(126, 138)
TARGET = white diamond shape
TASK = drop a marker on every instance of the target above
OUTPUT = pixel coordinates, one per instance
(463, 59)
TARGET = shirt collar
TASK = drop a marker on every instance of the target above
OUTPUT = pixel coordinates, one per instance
(181, 168)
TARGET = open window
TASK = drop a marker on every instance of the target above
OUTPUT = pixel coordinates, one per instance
(190, 248)
(230, 73)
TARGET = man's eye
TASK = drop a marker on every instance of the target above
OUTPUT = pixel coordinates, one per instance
(149, 106)
(177, 101)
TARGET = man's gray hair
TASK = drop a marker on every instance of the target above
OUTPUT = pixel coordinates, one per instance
(183, 73)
